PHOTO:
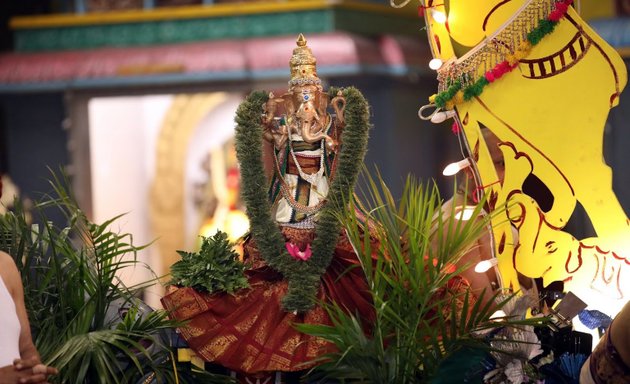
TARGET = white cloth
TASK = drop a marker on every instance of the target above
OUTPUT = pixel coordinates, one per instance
(9, 328)
(585, 373)
(284, 210)
(318, 191)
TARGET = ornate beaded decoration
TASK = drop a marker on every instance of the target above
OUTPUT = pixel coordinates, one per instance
(465, 78)
(303, 65)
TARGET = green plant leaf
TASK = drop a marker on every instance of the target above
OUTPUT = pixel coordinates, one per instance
(74, 298)
(420, 322)
(214, 268)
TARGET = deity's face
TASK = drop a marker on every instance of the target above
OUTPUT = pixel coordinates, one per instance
(305, 94)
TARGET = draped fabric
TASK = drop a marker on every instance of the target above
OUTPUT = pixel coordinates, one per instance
(605, 365)
(309, 158)
(9, 327)
(250, 332)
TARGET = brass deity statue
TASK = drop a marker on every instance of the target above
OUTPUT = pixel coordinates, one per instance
(305, 137)
(297, 254)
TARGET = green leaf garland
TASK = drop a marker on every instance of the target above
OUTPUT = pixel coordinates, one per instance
(303, 276)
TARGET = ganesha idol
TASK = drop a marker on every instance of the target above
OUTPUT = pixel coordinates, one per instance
(296, 253)
(537, 76)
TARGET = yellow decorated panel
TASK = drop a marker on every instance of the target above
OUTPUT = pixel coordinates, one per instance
(542, 81)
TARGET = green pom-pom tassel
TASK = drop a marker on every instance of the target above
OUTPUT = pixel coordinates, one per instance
(547, 26)
(544, 28)
(441, 99)
(474, 90)
(482, 82)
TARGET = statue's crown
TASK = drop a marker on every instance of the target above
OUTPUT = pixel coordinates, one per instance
(303, 65)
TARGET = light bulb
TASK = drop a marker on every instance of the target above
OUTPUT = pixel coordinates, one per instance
(465, 213)
(454, 168)
(498, 315)
(438, 16)
(236, 224)
(435, 64)
(440, 117)
(484, 265)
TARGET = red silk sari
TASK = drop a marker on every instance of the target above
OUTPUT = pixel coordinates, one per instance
(250, 332)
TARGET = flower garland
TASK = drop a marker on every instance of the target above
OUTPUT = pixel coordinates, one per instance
(457, 93)
(303, 276)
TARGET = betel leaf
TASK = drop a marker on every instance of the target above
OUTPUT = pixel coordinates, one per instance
(216, 267)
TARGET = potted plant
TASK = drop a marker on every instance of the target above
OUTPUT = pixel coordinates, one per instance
(85, 321)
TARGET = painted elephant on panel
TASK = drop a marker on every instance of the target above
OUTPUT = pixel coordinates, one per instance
(536, 75)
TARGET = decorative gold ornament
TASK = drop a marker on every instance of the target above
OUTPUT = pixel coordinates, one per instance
(497, 48)
(303, 110)
(303, 65)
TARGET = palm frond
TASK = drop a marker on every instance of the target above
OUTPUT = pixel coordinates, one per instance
(85, 321)
(407, 250)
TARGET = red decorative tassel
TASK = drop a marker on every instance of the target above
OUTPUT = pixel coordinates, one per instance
(490, 76)
(500, 69)
(455, 128)
(562, 7)
(555, 15)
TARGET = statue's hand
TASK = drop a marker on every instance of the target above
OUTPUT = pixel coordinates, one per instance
(339, 106)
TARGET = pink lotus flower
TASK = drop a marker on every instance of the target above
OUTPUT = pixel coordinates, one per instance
(295, 252)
